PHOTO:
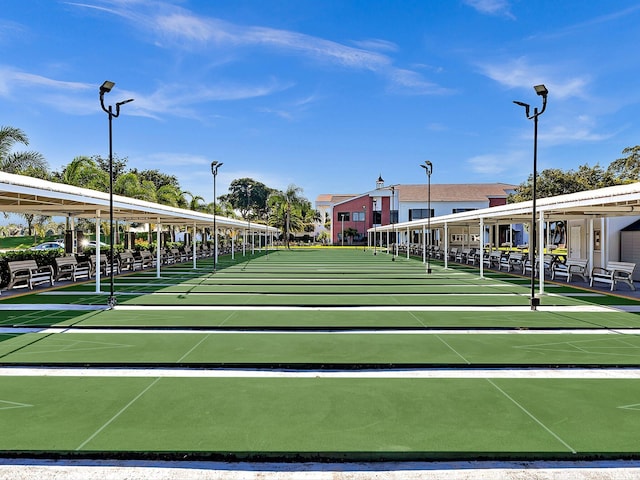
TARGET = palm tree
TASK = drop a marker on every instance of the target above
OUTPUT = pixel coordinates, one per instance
(286, 208)
(24, 163)
(196, 203)
(350, 233)
(85, 172)
(18, 162)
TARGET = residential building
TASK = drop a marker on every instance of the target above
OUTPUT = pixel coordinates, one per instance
(353, 215)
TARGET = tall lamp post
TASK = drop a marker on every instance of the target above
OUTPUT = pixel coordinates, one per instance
(106, 88)
(248, 215)
(428, 168)
(374, 226)
(543, 92)
(215, 165)
(364, 228)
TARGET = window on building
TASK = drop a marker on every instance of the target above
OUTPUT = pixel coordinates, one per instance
(377, 218)
(343, 216)
(418, 213)
(460, 210)
(358, 216)
(393, 217)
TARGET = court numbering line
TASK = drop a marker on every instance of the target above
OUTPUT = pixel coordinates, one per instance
(112, 419)
(122, 410)
(453, 350)
(532, 416)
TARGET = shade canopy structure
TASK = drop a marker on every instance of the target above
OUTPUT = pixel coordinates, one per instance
(27, 195)
(617, 201)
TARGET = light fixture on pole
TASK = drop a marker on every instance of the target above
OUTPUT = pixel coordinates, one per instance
(428, 168)
(543, 92)
(215, 165)
(106, 88)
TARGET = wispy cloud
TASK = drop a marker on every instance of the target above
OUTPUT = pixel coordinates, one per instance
(376, 44)
(172, 25)
(574, 133)
(519, 73)
(593, 22)
(80, 98)
(10, 77)
(9, 30)
(492, 7)
(497, 165)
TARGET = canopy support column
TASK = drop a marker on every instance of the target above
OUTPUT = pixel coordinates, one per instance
(158, 246)
(540, 253)
(193, 246)
(98, 242)
(446, 245)
(481, 242)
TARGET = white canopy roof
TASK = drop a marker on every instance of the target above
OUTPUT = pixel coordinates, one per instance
(614, 201)
(21, 194)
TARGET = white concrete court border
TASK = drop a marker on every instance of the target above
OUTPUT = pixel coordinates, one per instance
(34, 469)
(602, 373)
(280, 308)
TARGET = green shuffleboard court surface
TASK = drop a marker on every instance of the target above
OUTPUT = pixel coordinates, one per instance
(319, 354)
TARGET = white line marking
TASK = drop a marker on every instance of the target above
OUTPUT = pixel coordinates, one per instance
(323, 331)
(452, 373)
(51, 306)
(112, 419)
(373, 308)
(453, 350)
(533, 417)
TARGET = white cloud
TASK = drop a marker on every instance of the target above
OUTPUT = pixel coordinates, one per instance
(499, 165)
(178, 26)
(407, 80)
(519, 73)
(376, 44)
(561, 134)
(491, 7)
(80, 98)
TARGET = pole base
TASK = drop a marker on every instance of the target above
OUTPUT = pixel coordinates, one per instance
(429, 270)
(535, 303)
(112, 302)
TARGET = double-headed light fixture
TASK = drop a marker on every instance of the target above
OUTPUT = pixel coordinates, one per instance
(106, 88)
(543, 92)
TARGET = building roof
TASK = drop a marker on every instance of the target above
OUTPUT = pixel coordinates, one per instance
(454, 192)
(334, 198)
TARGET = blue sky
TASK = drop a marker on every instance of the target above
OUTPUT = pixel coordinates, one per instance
(325, 94)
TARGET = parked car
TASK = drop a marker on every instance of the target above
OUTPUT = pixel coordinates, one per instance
(93, 244)
(48, 246)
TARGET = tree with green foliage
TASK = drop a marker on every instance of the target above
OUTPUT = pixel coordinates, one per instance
(119, 165)
(84, 172)
(350, 233)
(286, 210)
(19, 162)
(29, 163)
(249, 197)
(554, 181)
(195, 202)
(627, 169)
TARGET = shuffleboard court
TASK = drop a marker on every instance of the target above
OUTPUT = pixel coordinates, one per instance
(319, 354)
